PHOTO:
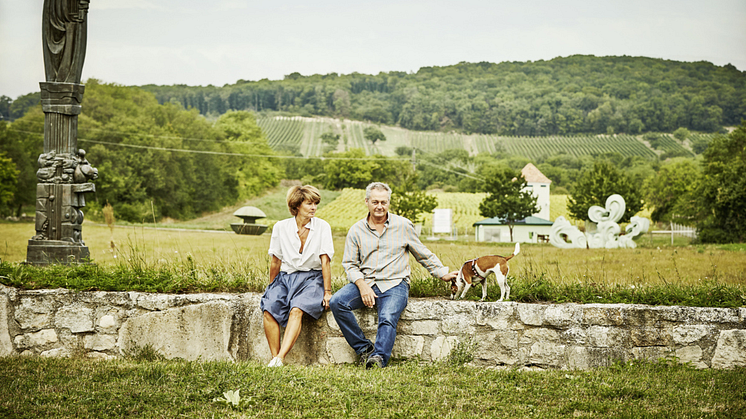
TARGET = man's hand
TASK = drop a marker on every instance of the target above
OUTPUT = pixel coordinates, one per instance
(450, 276)
(366, 293)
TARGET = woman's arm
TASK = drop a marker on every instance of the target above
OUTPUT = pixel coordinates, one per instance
(274, 268)
(326, 273)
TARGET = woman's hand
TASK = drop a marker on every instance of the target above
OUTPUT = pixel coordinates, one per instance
(327, 297)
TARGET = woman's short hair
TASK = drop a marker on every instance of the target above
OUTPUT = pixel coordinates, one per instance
(380, 186)
(298, 194)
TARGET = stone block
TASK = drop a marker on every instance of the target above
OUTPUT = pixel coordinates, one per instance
(651, 353)
(34, 313)
(430, 310)
(499, 316)
(99, 342)
(76, 317)
(604, 357)
(607, 337)
(442, 346)
(685, 335)
(408, 346)
(691, 354)
(366, 318)
(644, 316)
(157, 302)
(531, 314)
(500, 346)
(574, 336)
(725, 316)
(421, 327)
(108, 321)
(6, 344)
(730, 350)
(602, 315)
(562, 315)
(649, 336)
(105, 298)
(339, 352)
(56, 353)
(458, 324)
(198, 332)
(578, 358)
(36, 339)
(530, 336)
(547, 354)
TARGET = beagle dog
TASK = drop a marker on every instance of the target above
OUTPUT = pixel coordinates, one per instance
(475, 272)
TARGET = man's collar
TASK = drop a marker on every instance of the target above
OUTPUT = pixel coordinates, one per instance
(386, 223)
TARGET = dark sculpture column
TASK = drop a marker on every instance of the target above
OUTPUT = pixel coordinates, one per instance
(64, 174)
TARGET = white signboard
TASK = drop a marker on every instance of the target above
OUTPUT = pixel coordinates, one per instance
(442, 220)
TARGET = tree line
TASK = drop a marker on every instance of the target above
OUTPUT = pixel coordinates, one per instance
(572, 95)
(563, 96)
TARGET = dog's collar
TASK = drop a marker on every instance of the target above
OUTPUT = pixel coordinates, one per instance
(475, 269)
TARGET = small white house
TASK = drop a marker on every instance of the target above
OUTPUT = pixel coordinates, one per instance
(538, 184)
(529, 230)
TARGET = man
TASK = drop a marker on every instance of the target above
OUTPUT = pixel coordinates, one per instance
(376, 260)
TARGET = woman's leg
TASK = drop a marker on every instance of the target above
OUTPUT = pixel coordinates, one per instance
(272, 332)
(292, 331)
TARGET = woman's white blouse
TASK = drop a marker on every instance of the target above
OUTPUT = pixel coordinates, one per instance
(285, 244)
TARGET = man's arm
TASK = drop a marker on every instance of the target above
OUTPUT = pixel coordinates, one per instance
(424, 256)
(351, 262)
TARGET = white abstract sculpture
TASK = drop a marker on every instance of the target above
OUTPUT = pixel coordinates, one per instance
(566, 236)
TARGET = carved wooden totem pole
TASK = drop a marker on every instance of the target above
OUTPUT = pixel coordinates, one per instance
(64, 174)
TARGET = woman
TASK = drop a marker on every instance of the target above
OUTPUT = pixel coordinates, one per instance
(299, 273)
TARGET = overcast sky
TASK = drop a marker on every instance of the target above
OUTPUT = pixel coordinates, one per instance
(201, 42)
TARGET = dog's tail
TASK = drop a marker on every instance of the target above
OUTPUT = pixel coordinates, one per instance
(515, 252)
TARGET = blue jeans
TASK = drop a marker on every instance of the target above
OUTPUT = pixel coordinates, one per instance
(389, 304)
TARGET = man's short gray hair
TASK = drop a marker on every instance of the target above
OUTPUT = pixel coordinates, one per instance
(379, 186)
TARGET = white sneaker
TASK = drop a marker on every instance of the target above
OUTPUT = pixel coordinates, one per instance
(275, 362)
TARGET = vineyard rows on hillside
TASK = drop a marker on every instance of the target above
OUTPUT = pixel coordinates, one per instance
(304, 135)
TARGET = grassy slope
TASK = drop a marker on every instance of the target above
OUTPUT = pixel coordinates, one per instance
(434, 142)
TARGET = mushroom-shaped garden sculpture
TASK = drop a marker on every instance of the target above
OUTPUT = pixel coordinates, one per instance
(249, 215)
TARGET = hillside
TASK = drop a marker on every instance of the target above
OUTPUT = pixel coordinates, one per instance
(580, 94)
(303, 135)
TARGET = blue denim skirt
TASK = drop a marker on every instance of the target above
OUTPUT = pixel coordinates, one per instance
(304, 290)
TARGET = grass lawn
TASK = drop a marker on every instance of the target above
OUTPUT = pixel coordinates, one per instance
(65, 388)
(144, 259)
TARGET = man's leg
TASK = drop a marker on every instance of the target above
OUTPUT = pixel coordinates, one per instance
(342, 304)
(390, 305)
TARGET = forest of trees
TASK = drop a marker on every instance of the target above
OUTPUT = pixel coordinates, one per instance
(129, 137)
(571, 95)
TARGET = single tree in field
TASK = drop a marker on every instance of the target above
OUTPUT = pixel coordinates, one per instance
(373, 134)
(598, 183)
(411, 202)
(718, 202)
(507, 198)
(664, 190)
(681, 134)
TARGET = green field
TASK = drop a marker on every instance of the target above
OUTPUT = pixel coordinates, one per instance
(304, 134)
(35, 387)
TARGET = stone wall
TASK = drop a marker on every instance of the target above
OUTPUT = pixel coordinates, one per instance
(229, 327)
